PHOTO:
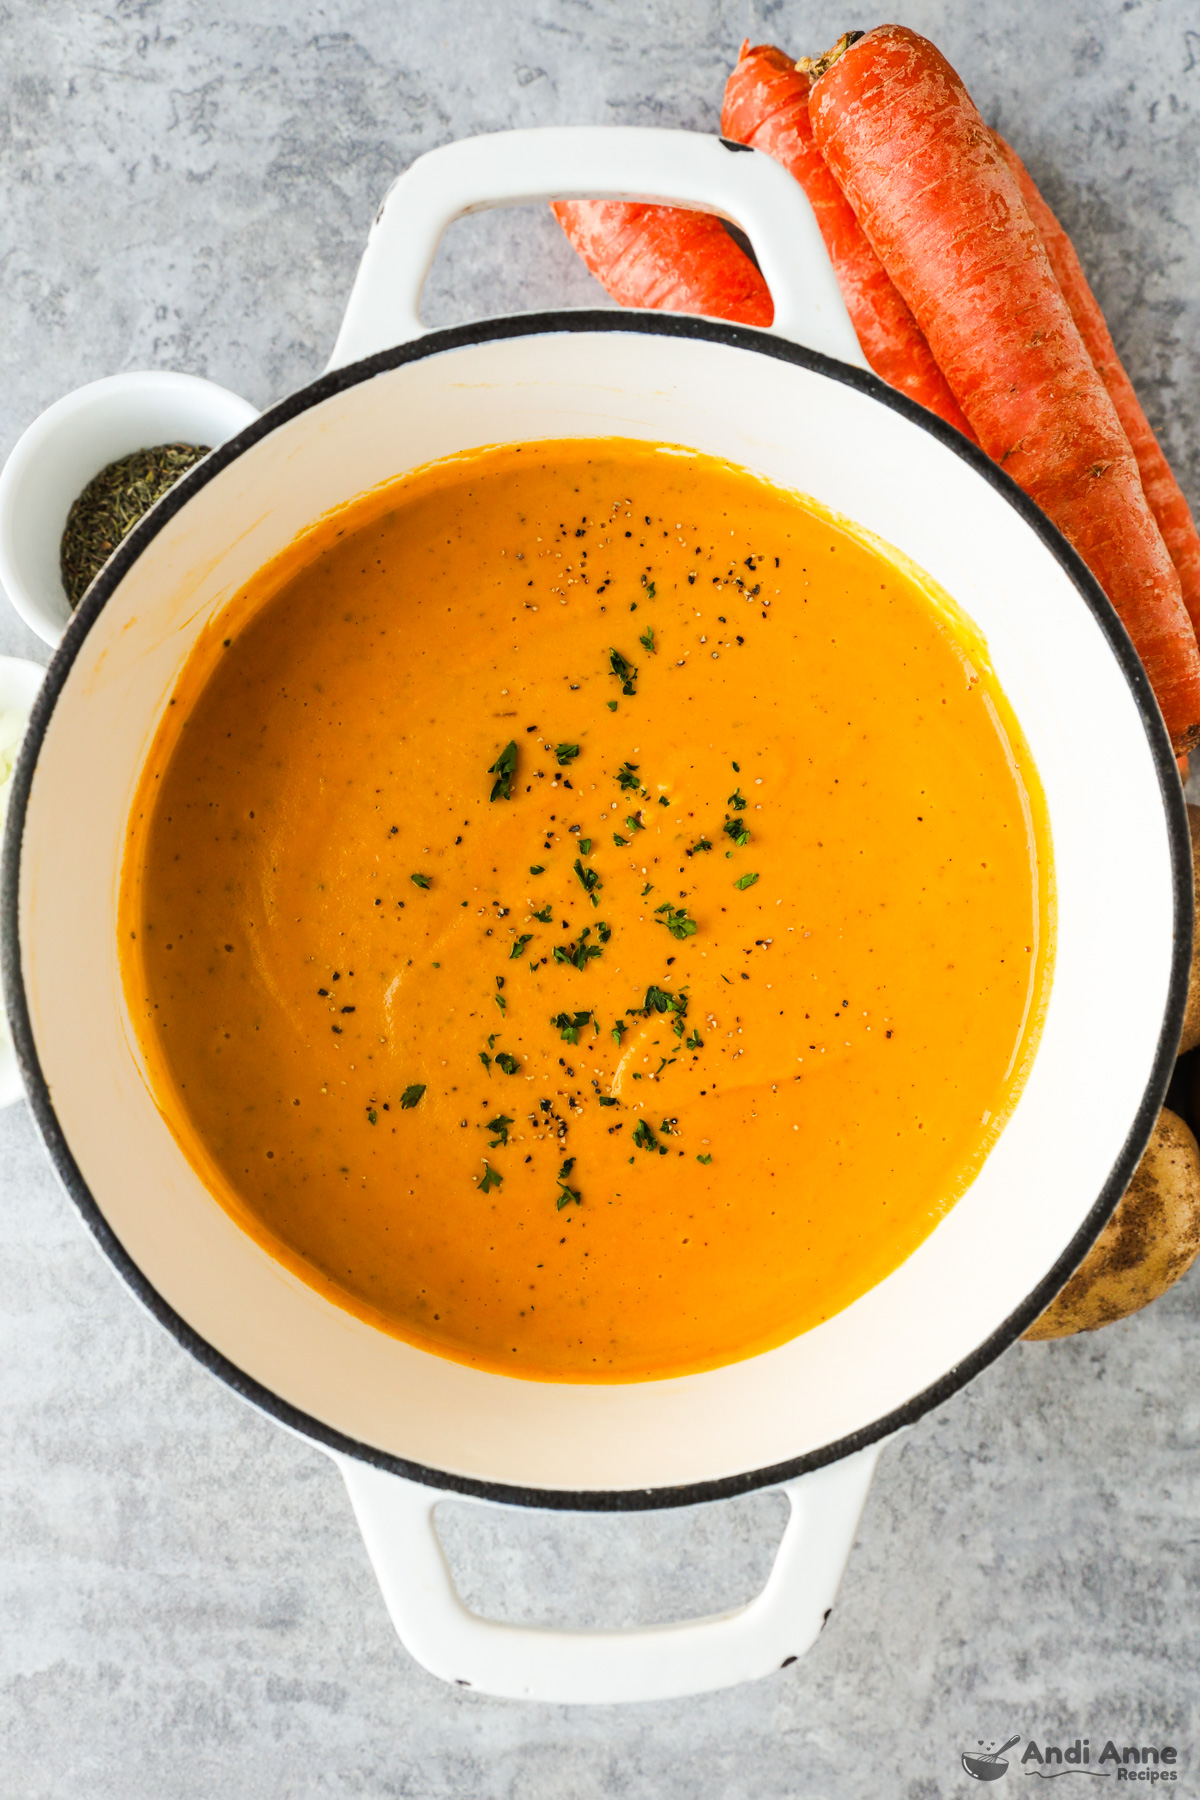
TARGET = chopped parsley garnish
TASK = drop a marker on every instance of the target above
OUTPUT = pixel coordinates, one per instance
(650, 590)
(578, 954)
(663, 801)
(564, 1172)
(589, 881)
(411, 1096)
(421, 881)
(501, 1002)
(698, 846)
(603, 931)
(606, 1100)
(634, 822)
(624, 671)
(500, 1126)
(486, 1060)
(648, 889)
(585, 845)
(504, 768)
(669, 1127)
(647, 642)
(491, 1177)
(737, 830)
(506, 1061)
(545, 916)
(569, 1025)
(661, 1000)
(676, 920)
(745, 881)
(619, 1030)
(627, 776)
(619, 841)
(372, 1116)
(643, 1137)
(704, 1159)
(611, 705)
(695, 1042)
(566, 1195)
(519, 944)
(737, 800)
(537, 868)
(566, 753)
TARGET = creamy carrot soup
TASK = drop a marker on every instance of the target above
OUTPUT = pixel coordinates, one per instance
(587, 911)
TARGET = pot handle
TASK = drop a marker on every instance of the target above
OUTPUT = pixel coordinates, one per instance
(657, 1662)
(513, 168)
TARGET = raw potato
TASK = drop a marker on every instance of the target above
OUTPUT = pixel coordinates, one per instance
(1191, 1017)
(1151, 1240)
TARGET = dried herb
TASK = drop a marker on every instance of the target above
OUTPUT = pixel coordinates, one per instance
(569, 1025)
(578, 954)
(566, 753)
(676, 920)
(412, 1095)
(504, 768)
(111, 505)
(589, 880)
(624, 671)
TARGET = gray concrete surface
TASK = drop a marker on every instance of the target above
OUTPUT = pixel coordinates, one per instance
(186, 1611)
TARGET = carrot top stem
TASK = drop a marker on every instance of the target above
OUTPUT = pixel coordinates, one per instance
(817, 65)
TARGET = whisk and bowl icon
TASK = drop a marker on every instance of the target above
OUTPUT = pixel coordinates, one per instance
(990, 1764)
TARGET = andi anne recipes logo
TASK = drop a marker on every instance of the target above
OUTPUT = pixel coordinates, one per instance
(1148, 1763)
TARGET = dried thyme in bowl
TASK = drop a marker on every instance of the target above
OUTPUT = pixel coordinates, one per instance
(111, 505)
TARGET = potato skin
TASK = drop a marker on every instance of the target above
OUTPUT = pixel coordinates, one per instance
(1151, 1240)
(1191, 1016)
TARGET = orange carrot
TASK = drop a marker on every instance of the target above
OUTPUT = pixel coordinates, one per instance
(766, 105)
(666, 257)
(1162, 490)
(945, 215)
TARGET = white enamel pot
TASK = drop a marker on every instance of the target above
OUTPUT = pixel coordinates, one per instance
(795, 404)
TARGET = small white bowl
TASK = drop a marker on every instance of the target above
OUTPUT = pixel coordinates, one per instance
(53, 461)
(19, 683)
